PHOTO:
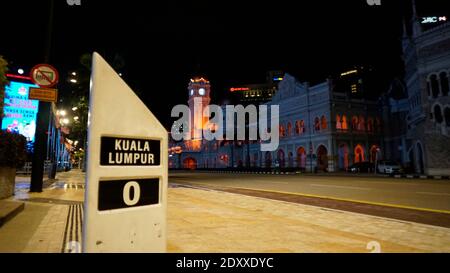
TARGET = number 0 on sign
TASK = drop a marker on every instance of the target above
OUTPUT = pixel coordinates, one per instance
(127, 199)
(121, 194)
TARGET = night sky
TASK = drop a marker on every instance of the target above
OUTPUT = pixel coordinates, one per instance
(229, 42)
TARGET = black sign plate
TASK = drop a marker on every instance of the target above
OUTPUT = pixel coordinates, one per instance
(120, 194)
(119, 151)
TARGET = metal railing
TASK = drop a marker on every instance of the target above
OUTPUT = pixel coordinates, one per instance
(26, 169)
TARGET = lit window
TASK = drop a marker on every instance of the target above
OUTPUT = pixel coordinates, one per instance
(282, 131)
(344, 124)
(289, 129)
(338, 122)
(323, 122)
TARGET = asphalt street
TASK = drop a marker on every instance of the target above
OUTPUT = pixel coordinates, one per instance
(427, 194)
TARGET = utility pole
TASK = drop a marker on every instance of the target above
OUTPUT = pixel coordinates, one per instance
(42, 122)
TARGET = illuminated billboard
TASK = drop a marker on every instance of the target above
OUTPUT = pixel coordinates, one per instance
(19, 112)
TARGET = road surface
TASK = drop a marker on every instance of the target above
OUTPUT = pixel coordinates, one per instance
(426, 194)
(421, 201)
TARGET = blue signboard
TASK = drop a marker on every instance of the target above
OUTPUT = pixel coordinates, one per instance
(19, 112)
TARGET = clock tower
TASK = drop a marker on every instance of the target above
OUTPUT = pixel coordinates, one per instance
(199, 98)
(199, 88)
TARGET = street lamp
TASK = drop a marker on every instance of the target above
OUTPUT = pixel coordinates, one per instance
(73, 81)
(75, 108)
(20, 71)
(65, 121)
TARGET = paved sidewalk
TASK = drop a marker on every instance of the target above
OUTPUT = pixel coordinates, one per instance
(42, 225)
(211, 221)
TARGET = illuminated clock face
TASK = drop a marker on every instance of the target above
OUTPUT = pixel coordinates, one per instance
(201, 91)
(192, 92)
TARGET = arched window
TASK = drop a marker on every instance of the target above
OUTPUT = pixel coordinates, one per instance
(289, 129)
(370, 125)
(301, 157)
(361, 124)
(323, 122)
(344, 123)
(355, 123)
(302, 127)
(434, 86)
(338, 122)
(282, 131)
(297, 127)
(444, 83)
(317, 124)
(359, 154)
(447, 116)
(438, 114)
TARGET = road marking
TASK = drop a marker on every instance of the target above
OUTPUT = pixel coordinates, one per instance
(340, 187)
(434, 193)
(268, 182)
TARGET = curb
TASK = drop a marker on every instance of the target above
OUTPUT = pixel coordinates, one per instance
(408, 176)
(9, 209)
(423, 177)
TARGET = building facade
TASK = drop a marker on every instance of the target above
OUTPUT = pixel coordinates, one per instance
(426, 55)
(320, 130)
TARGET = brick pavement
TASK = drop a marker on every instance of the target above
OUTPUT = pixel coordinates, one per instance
(212, 221)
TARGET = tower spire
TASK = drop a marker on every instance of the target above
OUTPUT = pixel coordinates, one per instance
(415, 21)
(405, 30)
(414, 9)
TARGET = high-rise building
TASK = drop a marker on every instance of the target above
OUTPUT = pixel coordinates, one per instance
(257, 93)
(358, 82)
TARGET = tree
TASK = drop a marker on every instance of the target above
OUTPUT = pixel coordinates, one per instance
(78, 98)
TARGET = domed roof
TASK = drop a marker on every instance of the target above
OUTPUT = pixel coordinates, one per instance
(199, 80)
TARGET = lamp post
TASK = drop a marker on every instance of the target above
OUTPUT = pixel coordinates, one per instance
(43, 119)
(376, 159)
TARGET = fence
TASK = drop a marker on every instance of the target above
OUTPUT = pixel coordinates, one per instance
(26, 169)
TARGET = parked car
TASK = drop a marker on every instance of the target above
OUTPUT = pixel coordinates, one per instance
(361, 167)
(389, 167)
